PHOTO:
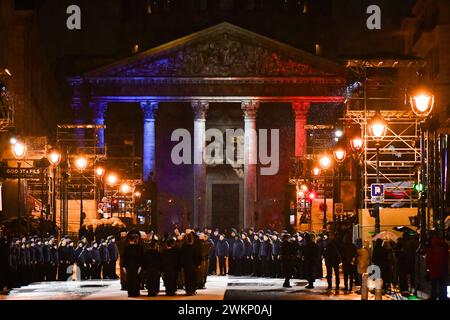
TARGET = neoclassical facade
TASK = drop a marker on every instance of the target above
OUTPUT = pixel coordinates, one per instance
(219, 66)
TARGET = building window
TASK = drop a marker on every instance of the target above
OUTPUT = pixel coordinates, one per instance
(135, 48)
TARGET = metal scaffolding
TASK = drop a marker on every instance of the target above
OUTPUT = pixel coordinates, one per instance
(74, 140)
(399, 151)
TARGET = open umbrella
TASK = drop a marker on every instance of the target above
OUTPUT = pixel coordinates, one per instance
(386, 235)
(405, 229)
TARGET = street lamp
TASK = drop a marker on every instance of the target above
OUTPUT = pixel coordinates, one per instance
(112, 180)
(81, 163)
(99, 173)
(325, 163)
(19, 151)
(377, 129)
(356, 144)
(54, 157)
(339, 155)
(422, 102)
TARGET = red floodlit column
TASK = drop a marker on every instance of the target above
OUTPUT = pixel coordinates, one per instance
(300, 109)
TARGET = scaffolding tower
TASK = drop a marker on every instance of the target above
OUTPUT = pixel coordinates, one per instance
(74, 140)
(399, 151)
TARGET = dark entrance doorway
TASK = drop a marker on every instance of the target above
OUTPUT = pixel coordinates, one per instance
(225, 206)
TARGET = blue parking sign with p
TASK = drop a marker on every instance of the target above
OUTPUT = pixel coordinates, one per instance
(377, 192)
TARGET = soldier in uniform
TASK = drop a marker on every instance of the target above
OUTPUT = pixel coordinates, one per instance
(62, 254)
(256, 267)
(276, 252)
(132, 264)
(230, 240)
(212, 256)
(54, 259)
(39, 252)
(206, 246)
(113, 256)
(247, 262)
(265, 254)
(238, 255)
(310, 256)
(121, 247)
(95, 261)
(105, 260)
(170, 267)
(222, 251)
(152, 268)
(288, 251)
(46, 251)
(14, 263)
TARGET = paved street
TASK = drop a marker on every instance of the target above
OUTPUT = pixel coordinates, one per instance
(218, 288)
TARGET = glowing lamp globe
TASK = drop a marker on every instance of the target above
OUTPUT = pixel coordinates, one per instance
(339, 155)
(54, 158)
(356, 144)
(19, 150)
(378, 127)
(325, 162)
(81, 163)
(422, 102)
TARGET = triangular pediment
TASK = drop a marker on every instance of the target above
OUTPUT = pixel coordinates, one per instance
(223, 50)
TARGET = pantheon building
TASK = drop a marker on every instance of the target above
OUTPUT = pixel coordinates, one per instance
(223, 77)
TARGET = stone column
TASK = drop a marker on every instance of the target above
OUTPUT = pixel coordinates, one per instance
(77, 106)
(250, 109)
(149, 109)
(99, 109)
(300, 109)
(199, 109)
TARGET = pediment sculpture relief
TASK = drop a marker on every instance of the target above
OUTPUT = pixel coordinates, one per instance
(220, 56)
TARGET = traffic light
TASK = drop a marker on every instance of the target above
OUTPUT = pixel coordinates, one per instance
(114, 205)
(418, 187)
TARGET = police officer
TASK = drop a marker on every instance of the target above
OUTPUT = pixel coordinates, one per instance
(47, 258)
(62, 254)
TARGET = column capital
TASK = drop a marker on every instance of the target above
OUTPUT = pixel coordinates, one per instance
(98, 107)
(149, 109)
(200, 108)
(300, 108)
(250, 108)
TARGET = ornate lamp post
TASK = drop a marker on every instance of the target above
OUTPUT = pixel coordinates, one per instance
(125, 188)
(112, 180)
(81, 163)
(19, 151)
(325, 163)
(422, 102)
(99, 173)
(54, 157)
(339, 156)
(377, 129)
(356, 145)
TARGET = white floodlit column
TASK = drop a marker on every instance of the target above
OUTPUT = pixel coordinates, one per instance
(250, 109)
(199, 109)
